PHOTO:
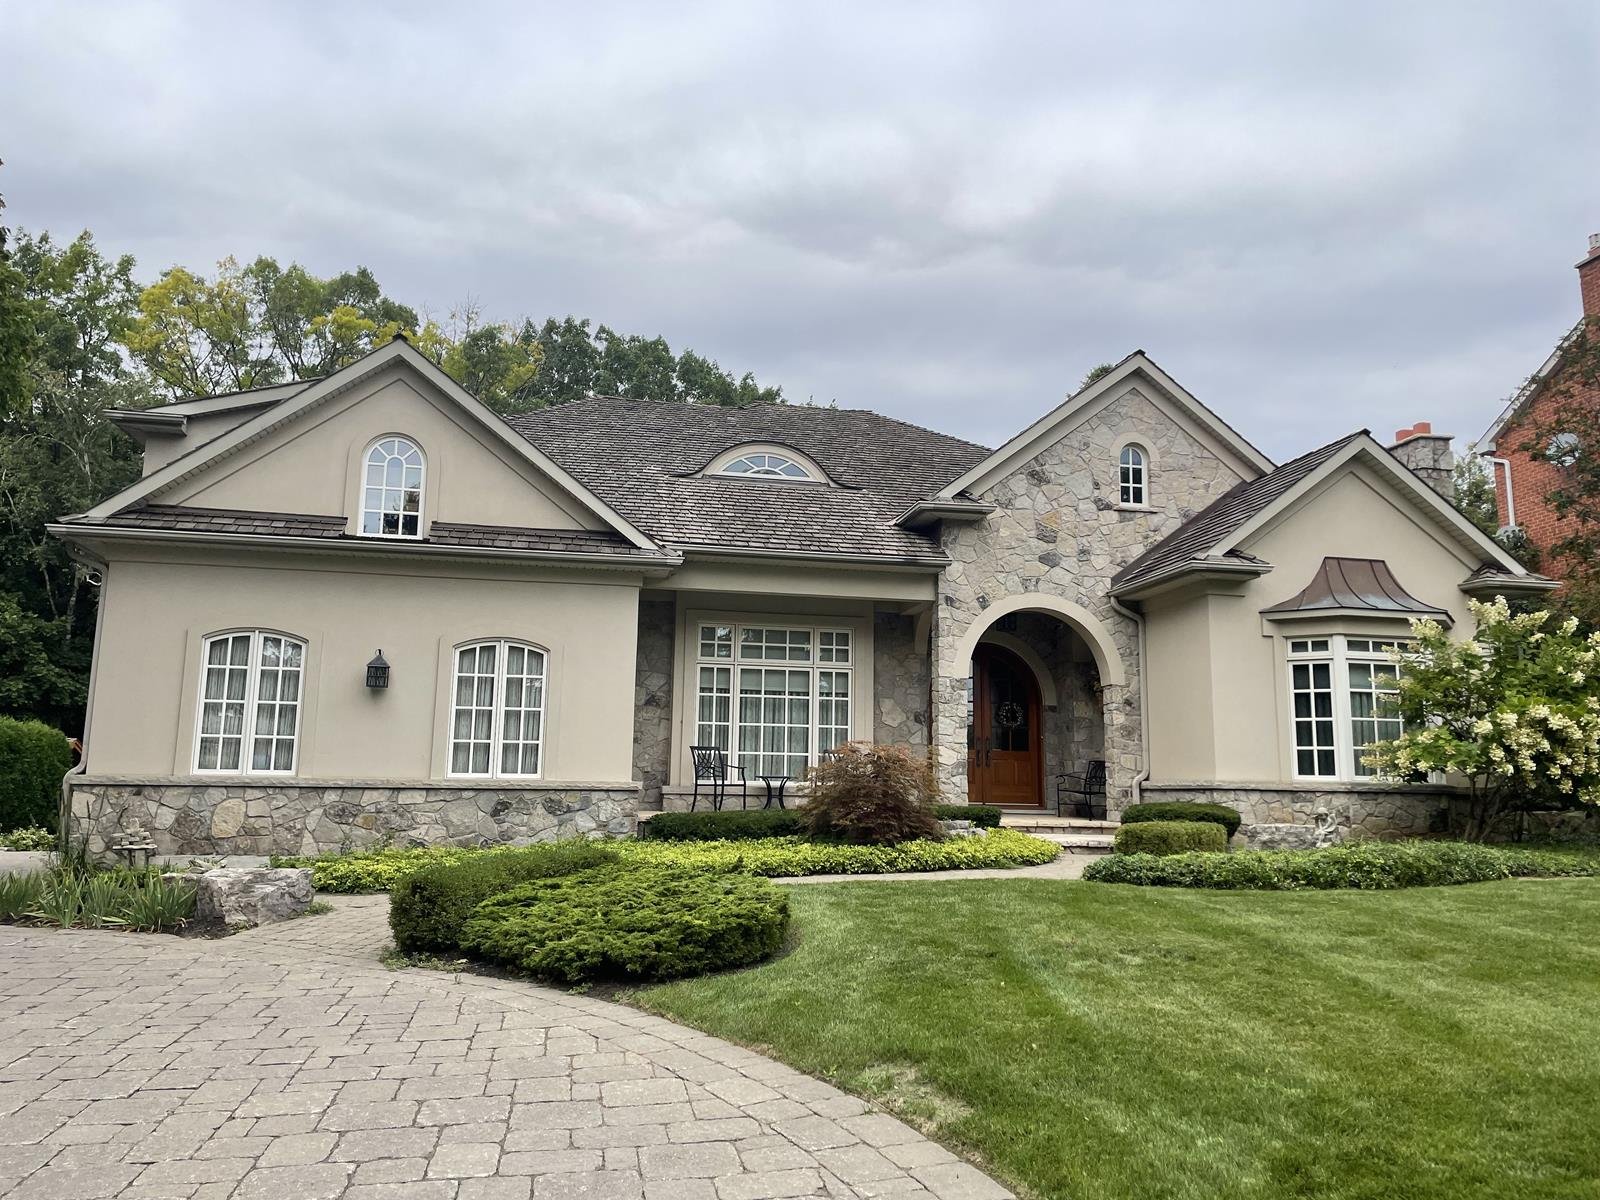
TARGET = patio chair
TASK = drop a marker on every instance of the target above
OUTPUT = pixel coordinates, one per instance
(1083, 793)
(711, 767)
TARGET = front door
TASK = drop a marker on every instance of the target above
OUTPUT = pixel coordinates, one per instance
(1004, 759)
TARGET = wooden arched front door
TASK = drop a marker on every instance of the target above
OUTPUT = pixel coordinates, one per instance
(1005, 762)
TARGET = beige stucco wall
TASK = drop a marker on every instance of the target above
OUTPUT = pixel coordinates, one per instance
(157, 608)
(1218, 706)
(199, 429)
(312, 465)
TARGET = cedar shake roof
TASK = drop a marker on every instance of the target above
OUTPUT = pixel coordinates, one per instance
(644, 458)
(184, 519)
(1365, 584)
(1223, 517)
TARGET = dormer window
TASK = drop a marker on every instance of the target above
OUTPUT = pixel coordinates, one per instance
(775, 465)
(757, 461)
(391, 504)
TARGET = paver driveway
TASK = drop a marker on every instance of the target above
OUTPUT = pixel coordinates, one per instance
(288, 1064)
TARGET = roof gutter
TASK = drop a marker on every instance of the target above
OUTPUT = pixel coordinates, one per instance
(821, 557)
(1197, 567)
(80, 532)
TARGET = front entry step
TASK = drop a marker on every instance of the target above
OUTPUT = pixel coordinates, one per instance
(1074, 833)
(1081, 843)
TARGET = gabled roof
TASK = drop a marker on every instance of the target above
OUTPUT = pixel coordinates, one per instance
(293, 405)
(1222, 527)
(1138, 365)
(1486, 444)
(1358, 585)
(645, 457)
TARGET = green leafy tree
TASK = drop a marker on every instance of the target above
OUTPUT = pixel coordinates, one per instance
(16, 329)
(57, 456)
(496, 362)
(1515, 712)
(1474, 498)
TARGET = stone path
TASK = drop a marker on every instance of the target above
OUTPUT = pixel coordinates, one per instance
(288, 1064)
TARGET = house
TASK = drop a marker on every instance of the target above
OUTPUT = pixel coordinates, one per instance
(1524, 473)
(365, 607)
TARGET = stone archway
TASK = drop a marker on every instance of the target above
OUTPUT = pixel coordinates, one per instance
(1101, 644)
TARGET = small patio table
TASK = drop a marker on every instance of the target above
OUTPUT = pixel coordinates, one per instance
(775, 785)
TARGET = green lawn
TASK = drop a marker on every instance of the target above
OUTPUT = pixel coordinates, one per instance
(1102, 1041)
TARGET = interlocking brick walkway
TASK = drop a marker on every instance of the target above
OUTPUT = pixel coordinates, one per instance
(288, 1064)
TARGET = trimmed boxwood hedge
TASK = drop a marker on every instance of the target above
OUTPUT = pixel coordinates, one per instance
(428, 908)
(33, 758)
(1183, 810)
(984, 816)
(734, 825)
(638, 923)
(796, 856)
(1170, 837)
(1366, 865)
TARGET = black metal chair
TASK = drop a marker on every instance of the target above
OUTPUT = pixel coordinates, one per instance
(712, 767)
(1084, 793)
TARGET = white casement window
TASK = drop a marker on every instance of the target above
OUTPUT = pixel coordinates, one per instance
(249, 718)
(1131, 482)
(391, 489)
(497, 710)
(775, 697)
(1343, 694)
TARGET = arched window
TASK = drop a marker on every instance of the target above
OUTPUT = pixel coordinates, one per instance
(775, 466)
(249, 719)
(391, 504)
(497, 710)
(1131, 476)
(1563, 449)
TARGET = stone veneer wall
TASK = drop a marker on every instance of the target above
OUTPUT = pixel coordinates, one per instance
(1373, 812)
(652, 700)
(1057, 530)
(316, 817)
(900, 675)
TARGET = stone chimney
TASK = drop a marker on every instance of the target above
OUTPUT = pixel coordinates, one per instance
(1589, 278)
(1428, 455)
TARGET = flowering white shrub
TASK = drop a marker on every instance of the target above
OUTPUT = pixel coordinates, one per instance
(1515, 712)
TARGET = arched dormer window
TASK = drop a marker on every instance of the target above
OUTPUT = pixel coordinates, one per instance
(391, 504)
(755, 461)
(1133, 485)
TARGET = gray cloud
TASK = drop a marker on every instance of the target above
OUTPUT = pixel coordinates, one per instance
(1363, 215)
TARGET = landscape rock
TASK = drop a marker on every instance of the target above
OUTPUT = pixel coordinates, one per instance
(242, 897)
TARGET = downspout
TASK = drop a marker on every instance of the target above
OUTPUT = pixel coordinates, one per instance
(1511, 503)
(1144, 725)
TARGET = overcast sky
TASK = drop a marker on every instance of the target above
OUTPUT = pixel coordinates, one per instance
(1316, 217)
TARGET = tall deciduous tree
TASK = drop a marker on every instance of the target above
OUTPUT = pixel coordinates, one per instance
(16, 329)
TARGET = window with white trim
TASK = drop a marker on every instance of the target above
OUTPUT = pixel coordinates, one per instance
(391, 489)
(775, 697)
(766, 465)
(497, 710)
(1343, 698)
(1131, 487)
(249, 717)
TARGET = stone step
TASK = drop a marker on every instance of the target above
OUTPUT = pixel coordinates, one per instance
(1032, 821)
(1081, 843)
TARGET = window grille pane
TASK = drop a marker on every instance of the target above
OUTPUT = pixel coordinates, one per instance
(1312, 708)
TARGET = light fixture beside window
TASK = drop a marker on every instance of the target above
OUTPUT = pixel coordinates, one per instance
(378, 671)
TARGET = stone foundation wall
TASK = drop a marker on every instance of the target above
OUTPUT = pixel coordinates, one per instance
(900, 676)
(201, 818)
(652, 701)
(1357, 811)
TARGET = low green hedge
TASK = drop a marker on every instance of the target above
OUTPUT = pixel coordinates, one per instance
(429, 907)
(1183, 810)
(795, 856)
(1367, 865)
(33, 759)
(636, 924)
(1170, 837)
(735, 825)
(372, 870)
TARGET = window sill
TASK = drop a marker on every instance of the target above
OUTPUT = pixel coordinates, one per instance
(1136, 508)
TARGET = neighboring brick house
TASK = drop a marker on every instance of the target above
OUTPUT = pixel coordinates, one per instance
(1523, 478)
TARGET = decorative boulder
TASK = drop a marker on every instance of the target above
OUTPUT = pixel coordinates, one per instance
(242, 897)
(961, 829)
(1324, 832)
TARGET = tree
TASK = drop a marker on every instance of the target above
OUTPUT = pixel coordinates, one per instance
(495, 362)
(57, 456)
(1474, 497)
(16, 330)
(1099, 371)
(1515, 712)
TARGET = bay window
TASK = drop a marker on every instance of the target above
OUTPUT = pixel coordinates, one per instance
(1343, 694)
(775, 697)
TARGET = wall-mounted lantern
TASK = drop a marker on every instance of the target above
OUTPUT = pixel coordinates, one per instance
(378, 672)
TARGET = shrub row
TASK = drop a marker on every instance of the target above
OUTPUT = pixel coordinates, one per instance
(372, 870)
(33, 758)
(795, 856)
(28, 839)
(742, 824)
(429, 908)
(1183, 810)
(1367, 865)
(1170, 837)
(638, 924)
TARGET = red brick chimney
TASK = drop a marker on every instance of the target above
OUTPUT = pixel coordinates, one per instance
(1589, 278)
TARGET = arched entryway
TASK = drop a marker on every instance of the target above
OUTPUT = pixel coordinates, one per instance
(1005, 751)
